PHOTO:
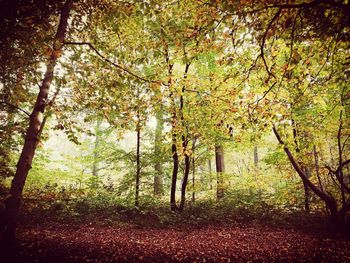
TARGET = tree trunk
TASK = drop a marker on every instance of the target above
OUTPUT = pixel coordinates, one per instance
(95, 167)
(184, 144)
(256, 157)
(193, 179)
(220, 169)
(175, 156)
(193, 170)
(317, 168)
(184, 141)
(184, 183)
(306, 197)
(307, 193)
(305, 169)
(158, 181)
(210, 172)
(35, 123)
(330, 202)
(174, 177)
(138, 165)
(340, 164)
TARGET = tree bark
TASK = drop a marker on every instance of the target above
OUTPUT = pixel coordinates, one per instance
(158, 181)
(306, 192)
(317, 168)
(175, 156)
(138, 146)
(256, 157)
(138, 163)
(174, 153)
(304, 168)
(340, 164)
(210, 171)
(193, 173)
(220, 169)
(184, 183)
(95, 167)
(35, 123)
(184, 141)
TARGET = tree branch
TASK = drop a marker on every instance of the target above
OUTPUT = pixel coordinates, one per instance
(15, 107)
(264, 40)
(91, 46)
(330, 3)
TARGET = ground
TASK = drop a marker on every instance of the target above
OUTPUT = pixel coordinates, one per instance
(252, 242)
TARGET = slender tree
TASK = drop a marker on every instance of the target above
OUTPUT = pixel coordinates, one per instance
(35, 126)
(220, 169)
(158, 180)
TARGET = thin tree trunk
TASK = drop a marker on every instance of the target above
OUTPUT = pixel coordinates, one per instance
(256, 157)
(304, 169)
(174, 153)
(317, 168)
(158, 181)
(184, 142)
(138, 145)
(95, 165)
(35, 123)
(220, 169)
(174, 178)
(184, 182)
(341, 175)
(193, 170)
(210, 174)
(193, 180)
(306, 191)
(138, 164)
(175, 156)
(175, 168)
(306, 198)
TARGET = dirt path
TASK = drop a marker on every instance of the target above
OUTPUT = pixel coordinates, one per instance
(251, 243)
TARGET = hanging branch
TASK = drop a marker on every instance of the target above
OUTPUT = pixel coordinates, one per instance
(264, 40)
(328, 4)
(15, 107)
(91, 46)
(291, 46)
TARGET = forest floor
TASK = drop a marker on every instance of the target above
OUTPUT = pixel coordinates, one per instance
(48, 241)
(86, 232)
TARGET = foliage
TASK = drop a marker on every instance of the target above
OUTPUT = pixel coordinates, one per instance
(215, 73)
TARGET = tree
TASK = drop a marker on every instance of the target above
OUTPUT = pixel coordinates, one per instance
(158, 182)
(308, 29)
(34, 129)
(219, 160)
(24, 26)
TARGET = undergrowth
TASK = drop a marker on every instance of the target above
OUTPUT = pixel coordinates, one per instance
(105, 208)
